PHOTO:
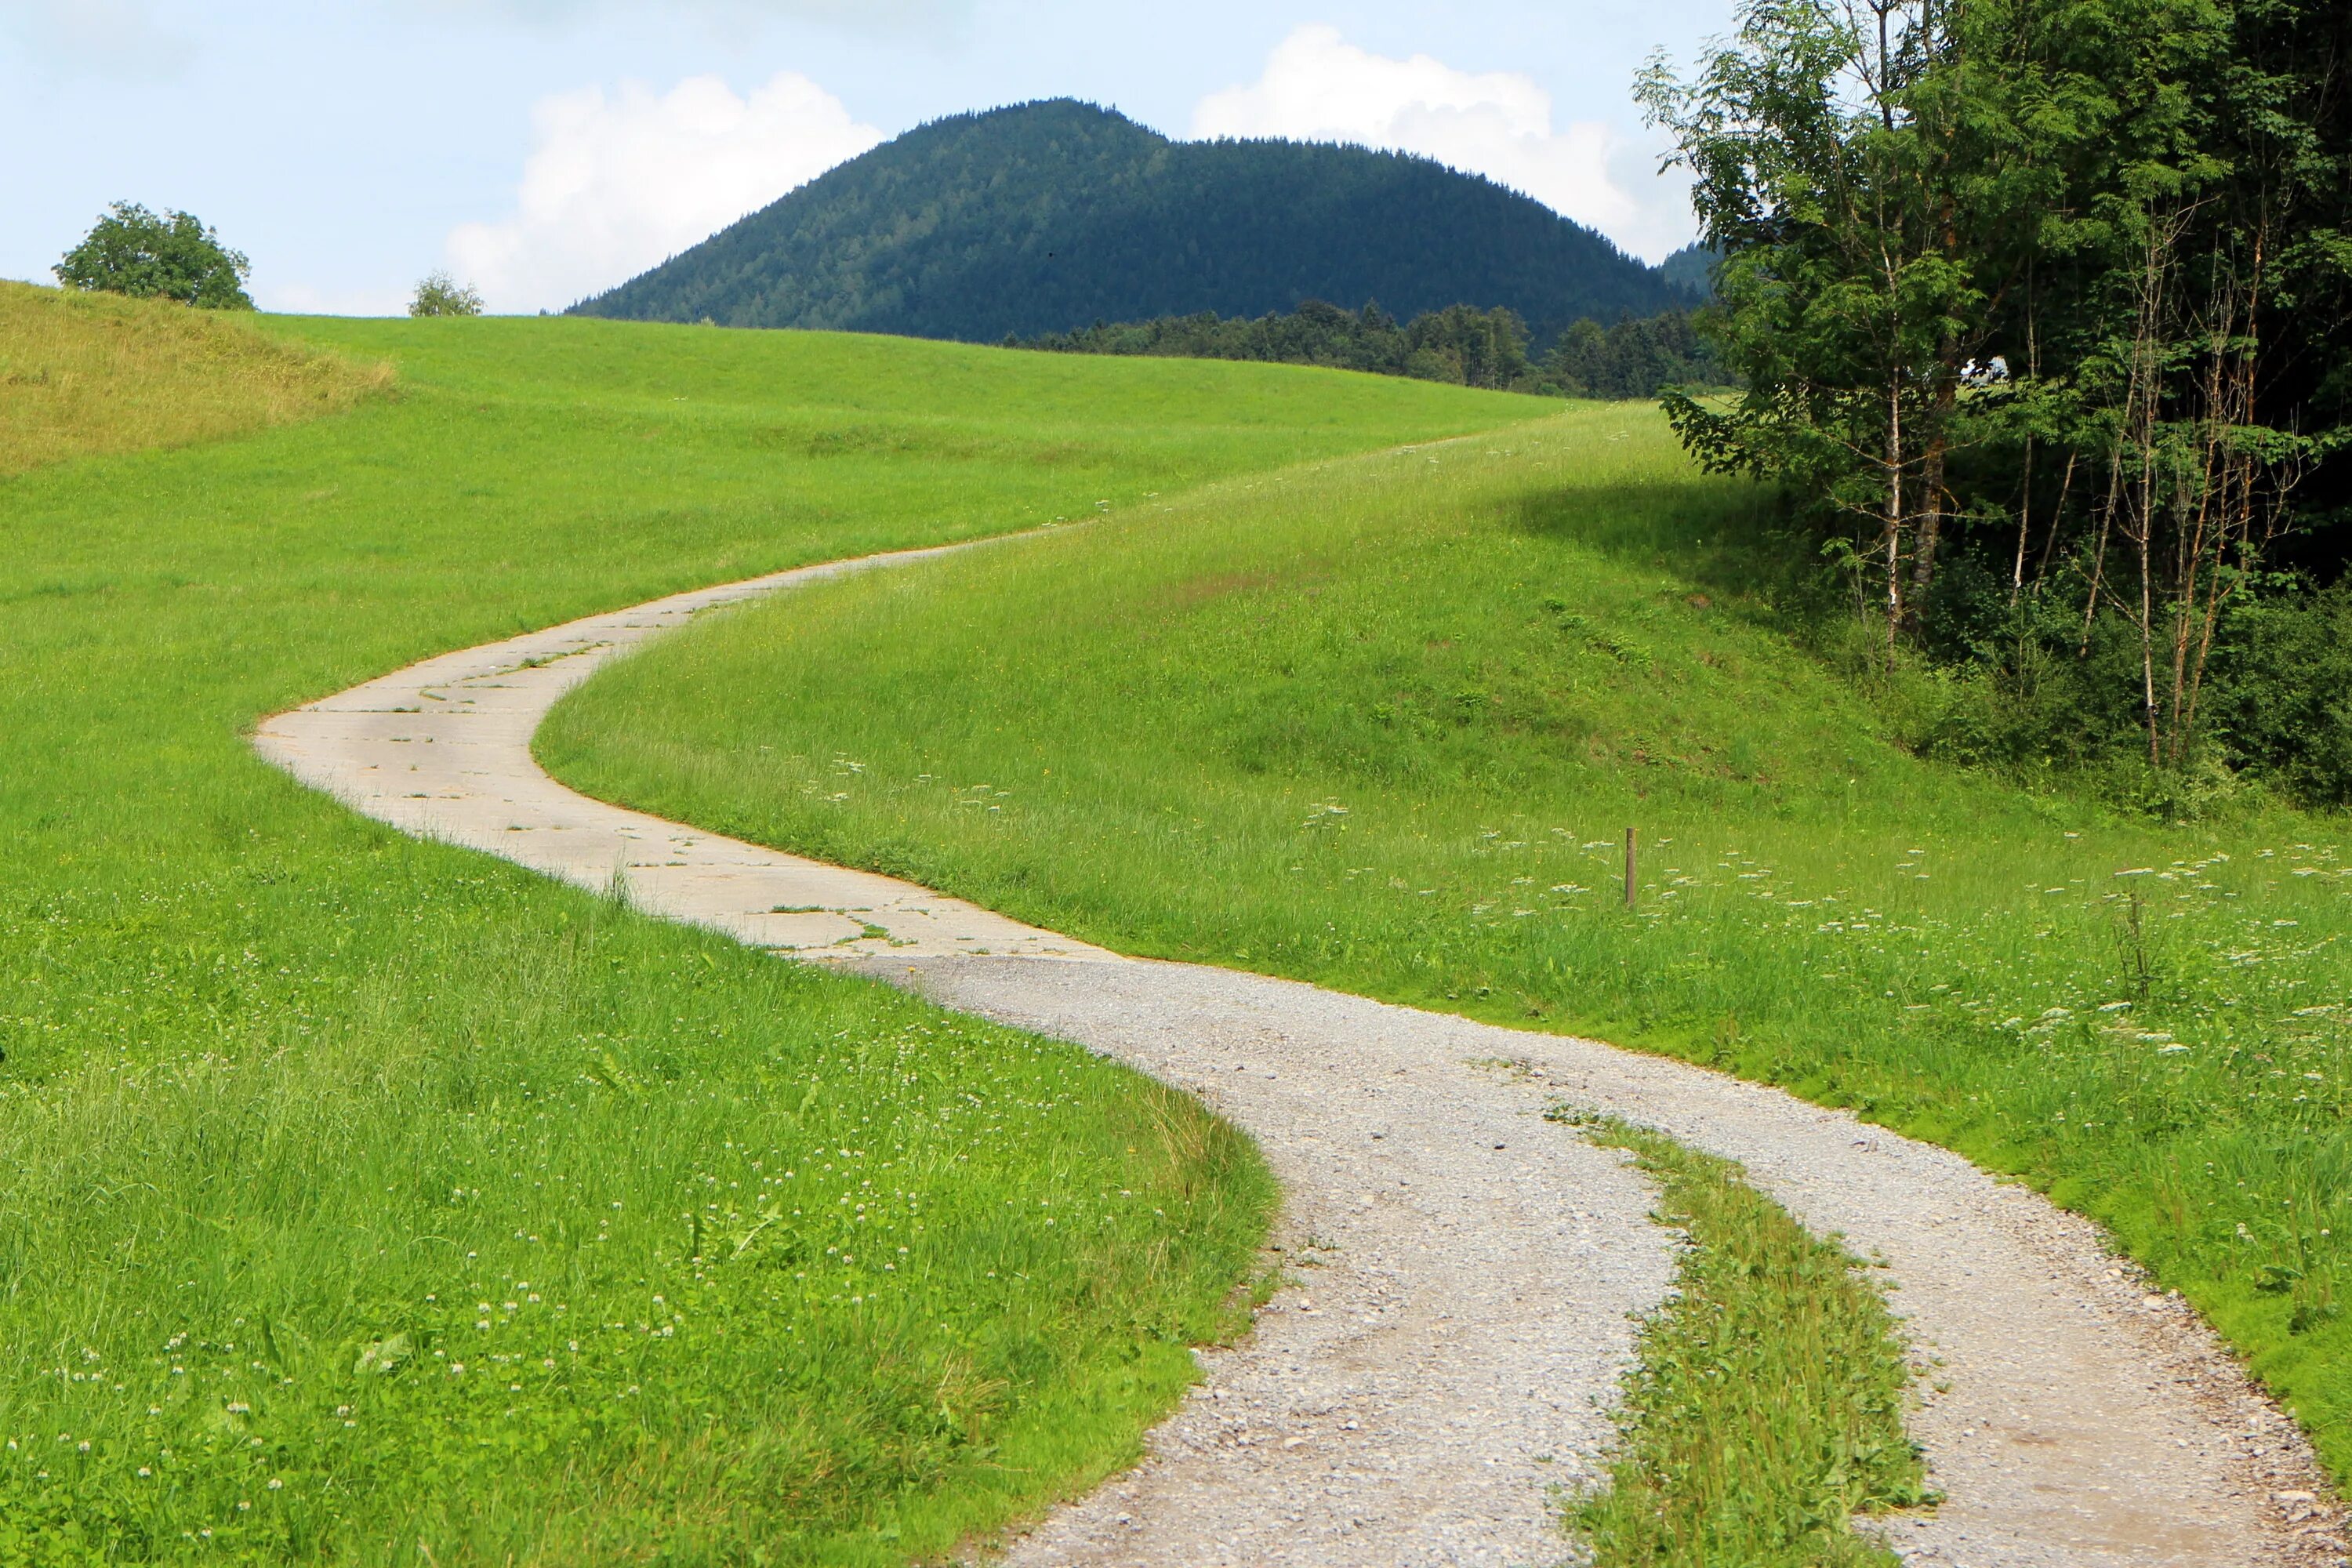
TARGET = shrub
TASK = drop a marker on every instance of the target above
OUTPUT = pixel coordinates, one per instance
(439, 294)
(2281, 700)
(153, 255)
(2033, 690)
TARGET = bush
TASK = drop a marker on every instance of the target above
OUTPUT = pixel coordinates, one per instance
(2032, 695)
(150, 255)
(2282, 698)
(439, 294)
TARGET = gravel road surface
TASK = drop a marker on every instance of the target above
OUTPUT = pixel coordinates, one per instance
(1464, 1272)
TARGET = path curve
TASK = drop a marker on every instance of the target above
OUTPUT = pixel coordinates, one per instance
(1469, 1270)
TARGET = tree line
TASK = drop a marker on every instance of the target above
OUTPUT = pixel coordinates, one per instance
(1635, 357)
(2041, 312)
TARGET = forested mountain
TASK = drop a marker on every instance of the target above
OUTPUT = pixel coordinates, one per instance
(1049, 217)
(1692, 269)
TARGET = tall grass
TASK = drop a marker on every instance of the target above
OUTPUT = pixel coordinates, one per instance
(298, 1118)
(87, 373)
(1381, 723)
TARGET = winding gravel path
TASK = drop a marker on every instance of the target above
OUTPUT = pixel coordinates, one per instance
(1466, 1269)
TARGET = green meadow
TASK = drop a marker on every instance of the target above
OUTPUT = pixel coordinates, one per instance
(1381, 722)
(365, 1200)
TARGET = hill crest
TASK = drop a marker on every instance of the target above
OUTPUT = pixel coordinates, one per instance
(1049, 215)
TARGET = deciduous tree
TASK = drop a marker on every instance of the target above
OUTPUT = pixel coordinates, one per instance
(439, 294)
(166, 256)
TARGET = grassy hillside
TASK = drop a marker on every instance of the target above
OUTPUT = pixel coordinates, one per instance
(356, 1193)
(1382, 723)
(86, 374)
(1047, 217)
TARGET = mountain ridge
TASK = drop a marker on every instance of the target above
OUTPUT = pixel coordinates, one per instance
(1049, 215)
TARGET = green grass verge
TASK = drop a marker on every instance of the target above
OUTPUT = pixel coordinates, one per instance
(1766, 1410)
(1381, 723)
(298, 1115)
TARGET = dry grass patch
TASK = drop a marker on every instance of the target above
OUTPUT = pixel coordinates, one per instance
(85, 374)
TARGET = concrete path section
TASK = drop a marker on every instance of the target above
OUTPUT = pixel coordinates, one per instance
(1467, 1273)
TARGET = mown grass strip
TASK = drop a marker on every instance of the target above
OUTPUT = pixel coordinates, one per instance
(1766, 1409)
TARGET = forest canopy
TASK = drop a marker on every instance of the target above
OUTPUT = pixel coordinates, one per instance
(2041, 312)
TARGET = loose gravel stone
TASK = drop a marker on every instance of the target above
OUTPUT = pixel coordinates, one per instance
(1464, 1274)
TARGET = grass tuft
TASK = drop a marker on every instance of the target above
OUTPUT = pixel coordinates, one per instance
(1765, 1411)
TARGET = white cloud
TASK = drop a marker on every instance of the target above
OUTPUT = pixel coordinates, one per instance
(615, 184)
(1319, 87)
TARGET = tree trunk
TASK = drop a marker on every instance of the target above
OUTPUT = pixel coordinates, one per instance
(2143, 539)
(2057, 522)
(1893, 539)
(2024, 526)
(2099, 557)
(1933, 493)
(2148, 655)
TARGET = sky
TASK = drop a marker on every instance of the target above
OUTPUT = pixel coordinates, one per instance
(545, 150)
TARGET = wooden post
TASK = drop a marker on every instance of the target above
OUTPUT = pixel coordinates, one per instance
(1632, 882)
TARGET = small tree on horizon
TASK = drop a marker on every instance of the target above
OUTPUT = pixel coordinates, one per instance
(157, 256)
(439, 294)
